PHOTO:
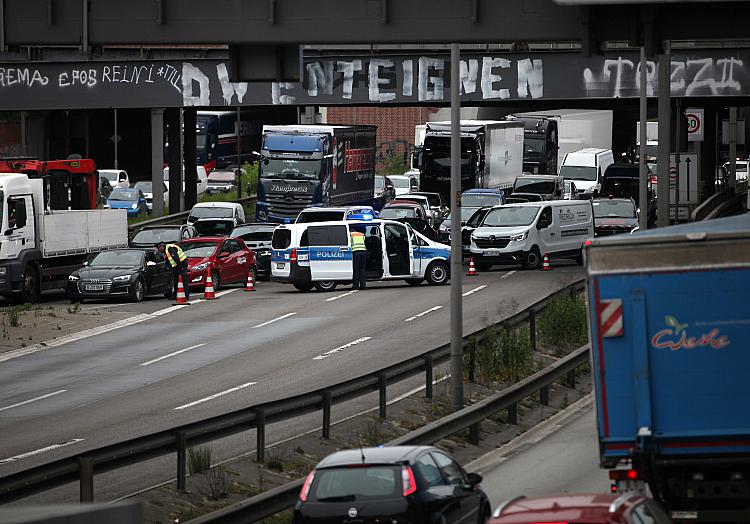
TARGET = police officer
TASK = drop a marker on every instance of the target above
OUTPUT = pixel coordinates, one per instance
(359, 257)
(177, 262)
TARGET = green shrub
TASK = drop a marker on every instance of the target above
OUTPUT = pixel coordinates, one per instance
(504, 355)
(562, 324)
(199, 459)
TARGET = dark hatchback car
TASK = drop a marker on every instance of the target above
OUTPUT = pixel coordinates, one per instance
(257, 236)
(129, 273)
(399, 484)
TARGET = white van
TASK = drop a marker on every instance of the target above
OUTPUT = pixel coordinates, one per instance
(217, 210)
(524, 232)
(117, 178)
(586, 167)
(202, 179)
(318, 254)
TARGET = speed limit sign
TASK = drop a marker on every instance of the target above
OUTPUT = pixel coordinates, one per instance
(694, 117)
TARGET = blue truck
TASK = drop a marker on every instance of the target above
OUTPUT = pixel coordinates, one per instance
(670, 332)
(314, 165)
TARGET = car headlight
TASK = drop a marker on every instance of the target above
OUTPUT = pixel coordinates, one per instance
(200, 267)
(134, 206)
(121, 278)
(72, 278)
(518, 238)
(3, 270)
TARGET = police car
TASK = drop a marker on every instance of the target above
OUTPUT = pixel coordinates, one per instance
(318, 255)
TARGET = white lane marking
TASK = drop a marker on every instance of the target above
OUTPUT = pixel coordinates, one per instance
(282, 317)
(171, 354)
(166, 310)
(227, 291)
(423, 313)
(509, 273)
(41, 450)
(48, 395)
(342, 348)
(342, 295)
(216, 395)
(87, 308)
(471, 292)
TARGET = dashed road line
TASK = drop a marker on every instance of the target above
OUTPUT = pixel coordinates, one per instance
(423, 313)
(41, 450)
(48, 395)
(342, 295)
(342, 348)
(282, 317)
(509, 273)
(175, 353)
(471, 292)
(227, 291)
(216, 395)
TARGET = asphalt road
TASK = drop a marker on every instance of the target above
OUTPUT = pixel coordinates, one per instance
(188, 363)
(564, 461)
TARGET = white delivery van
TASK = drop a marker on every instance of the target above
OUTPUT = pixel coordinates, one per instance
(586, 167)
(202, 182)
(232, 210)
(524, 232)
(318, 254)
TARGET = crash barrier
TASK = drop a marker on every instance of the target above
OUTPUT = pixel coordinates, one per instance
(82, 467)
(285, 497)
(179, 218)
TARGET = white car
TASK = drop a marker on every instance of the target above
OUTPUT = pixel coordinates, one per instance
(202, 179)
(742, 168)
(404, 184)
(147, 188)
(231, 210)
(117, 178)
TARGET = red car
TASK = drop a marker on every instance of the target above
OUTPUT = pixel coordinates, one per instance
(230, 261)
(628, 508)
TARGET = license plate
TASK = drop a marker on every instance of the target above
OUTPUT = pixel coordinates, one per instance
(492, 253)
(631, 486)
(280, 265)
(95, 287)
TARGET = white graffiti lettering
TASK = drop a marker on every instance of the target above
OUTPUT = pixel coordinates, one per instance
(430, 87)
(191, 75)
(408, 85)
(277, 98)
(229, 89)
(375, 81)
(469, 74)
(348, 69)
(22, 76)
(489, 78)
(530, 78)
(320, 76)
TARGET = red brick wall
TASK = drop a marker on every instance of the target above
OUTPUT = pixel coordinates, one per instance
(10, 138)
(395, 125)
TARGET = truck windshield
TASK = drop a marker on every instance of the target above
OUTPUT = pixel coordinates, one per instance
(290, 168)
(535, 185)
(533, 145)
(511, 216)
(578, 173)
(437, 156)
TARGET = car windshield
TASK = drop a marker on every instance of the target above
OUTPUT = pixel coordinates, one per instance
(421, 201)
(613, 209)
(511, 216)
(143, 186)
(211, 212)
(355, 484)
(393, 213)
(154, 236)
(578, 173)
(109, 175)
(290, 168)
(401, 183)
(209, 228)
(433, 199)
(253, 233)
(129, 258)
(379, 182)
(200, 249)
(320, 216)
(539, 186)
(127, 195)
(480, 200)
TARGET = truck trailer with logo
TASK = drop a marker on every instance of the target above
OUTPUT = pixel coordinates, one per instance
(303, 166)
(670, 333)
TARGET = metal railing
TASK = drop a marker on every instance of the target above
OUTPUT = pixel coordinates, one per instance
(82, 467)
(179, 218)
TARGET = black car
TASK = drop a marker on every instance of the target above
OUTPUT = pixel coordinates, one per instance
(215, 227)
(421, 226)
(622, 180)
(414, 484)
(151, 236)
(384, 192)
(257, 236)
(614, 215)
(129, 273)
(475, 220)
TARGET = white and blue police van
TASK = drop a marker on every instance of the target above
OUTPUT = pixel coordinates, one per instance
(318, 254)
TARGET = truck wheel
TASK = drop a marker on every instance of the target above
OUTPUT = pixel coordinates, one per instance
(532, 259)
(29, 286)
(325, 285)
(137, 290)
(414, 281)
(303, 287)
(437, 274)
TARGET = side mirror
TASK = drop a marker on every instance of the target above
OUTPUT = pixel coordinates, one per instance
(474, 479)
(85, 263)
(150, 263)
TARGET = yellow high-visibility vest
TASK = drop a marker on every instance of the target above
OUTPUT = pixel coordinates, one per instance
(180, 254)
(358, 241)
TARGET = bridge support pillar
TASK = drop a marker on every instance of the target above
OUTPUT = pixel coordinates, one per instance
(189, 157)
(157, 161)
(174, 132)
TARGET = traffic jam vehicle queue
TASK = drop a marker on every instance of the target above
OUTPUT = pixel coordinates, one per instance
(319, 255)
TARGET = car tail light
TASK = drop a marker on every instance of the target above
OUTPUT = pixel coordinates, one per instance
(293, 256)
(587, 242)
(407, 477)
(306, 487)
(625, 474)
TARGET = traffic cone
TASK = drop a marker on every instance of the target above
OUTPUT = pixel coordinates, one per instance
(180, 298)
(545, 263)
(250, 282)
(208, 291)
(472, 270)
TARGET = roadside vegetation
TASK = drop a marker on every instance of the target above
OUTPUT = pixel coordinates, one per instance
(563, 326)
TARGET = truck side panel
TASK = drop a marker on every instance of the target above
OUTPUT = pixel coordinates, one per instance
(71, 232)
(503, 154)
(353, 175)
(679, 366)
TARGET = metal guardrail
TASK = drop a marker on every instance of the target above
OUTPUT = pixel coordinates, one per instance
(285, 497)
(179, 218)
(83, 466)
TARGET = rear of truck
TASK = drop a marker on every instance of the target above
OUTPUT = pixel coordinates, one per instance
(670, 331)
(503, 154)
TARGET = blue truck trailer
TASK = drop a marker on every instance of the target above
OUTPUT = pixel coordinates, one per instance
(670, 332)
(314, 165)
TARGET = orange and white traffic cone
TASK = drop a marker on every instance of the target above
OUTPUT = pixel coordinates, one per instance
(208, 291)
(180, 298)
(472, 270)
(250, 282)
(545, 263)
